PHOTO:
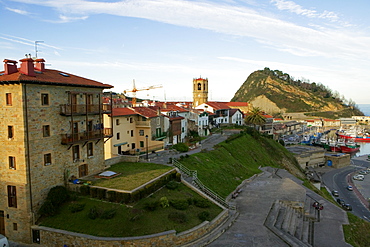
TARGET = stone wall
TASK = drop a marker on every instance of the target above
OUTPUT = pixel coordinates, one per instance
(56, 237)
(121, 158)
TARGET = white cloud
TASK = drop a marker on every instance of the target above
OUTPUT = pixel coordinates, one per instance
(18, 11)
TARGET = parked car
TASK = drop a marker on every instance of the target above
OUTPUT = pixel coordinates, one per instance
(362, 172)
(347, 207)
(359, 177)
(340, 201)
(349, 187)
(3, 241)
(335, 193)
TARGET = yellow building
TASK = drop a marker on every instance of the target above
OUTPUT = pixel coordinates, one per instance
(51, 128)
(200, 91)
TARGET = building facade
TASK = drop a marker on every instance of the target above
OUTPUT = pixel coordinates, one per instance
(200, 91)
(51, 129)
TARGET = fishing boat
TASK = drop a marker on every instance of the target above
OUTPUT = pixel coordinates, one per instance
(356, 135)
(334, 147)
(350, 146)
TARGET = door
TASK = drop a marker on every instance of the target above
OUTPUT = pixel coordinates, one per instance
(89, 102)
(2, 223)
(119, 150)
(82, 170)
(74, 103)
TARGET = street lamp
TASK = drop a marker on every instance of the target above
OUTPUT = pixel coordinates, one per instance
(146, 137)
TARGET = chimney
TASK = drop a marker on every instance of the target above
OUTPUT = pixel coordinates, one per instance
(40, 64)
(10, 66)
(159, 111)
(27, 67)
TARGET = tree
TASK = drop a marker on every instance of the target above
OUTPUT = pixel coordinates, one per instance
(255, 117)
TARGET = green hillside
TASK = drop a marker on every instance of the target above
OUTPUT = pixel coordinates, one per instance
(264, 88)
(237, 159)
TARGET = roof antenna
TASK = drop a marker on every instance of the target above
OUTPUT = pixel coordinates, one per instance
(36, 43)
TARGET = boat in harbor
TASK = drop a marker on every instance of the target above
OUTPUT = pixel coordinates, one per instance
(349, 146)
(355, 134)
(334, 147)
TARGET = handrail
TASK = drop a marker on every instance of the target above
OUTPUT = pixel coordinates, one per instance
(200, 185)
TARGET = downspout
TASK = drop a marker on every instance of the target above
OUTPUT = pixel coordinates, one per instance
(28, 152)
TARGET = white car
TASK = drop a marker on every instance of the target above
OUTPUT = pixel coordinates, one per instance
(3, 241)
(359, 177)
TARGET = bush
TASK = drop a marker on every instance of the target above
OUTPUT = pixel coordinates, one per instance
(57, 195)
(47, 209)
(151, 206)
(181, 147)
(180, 204)
(108, 214)
(164, 202)
(100, 193)
(178, 177)
(202, 203)
(76, 207)
(93, 192)
(178, 217)
(111, 196)
(94, 213)
(172, 185)
(203, 215)
(85, 190)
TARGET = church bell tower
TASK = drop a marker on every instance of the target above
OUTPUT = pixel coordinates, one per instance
(200, 91)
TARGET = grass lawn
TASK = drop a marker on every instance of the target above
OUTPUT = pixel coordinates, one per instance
(357, 232)
(132, 175)
(131, 221)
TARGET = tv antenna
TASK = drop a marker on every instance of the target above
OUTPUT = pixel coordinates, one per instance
(36, 43)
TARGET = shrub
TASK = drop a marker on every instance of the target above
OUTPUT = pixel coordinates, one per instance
(108, 214)
(202, 203)
(93, 192)
(190, 201)
(47, 209)
(164, 202)
(203, 215)
(180, 204)
(178, 217)
(94, 213)
(100, 193)
(178, 177)
(111, 196)
(181, 147)
(172, 185)
(76, 207)
(151, 206)
(85, 190)
(57, 195)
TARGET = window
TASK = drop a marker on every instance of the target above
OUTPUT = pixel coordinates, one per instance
(10, 132)
(90, 149)
(9, 99)
(15, 227)
(117, 121)
(141, 144)
(132, 133)
(141, 132)
(76, 152)
(12, 196)
(83, 170)
(44, 99)
(46, 130)
(118, 135)
(131, 120)
(12, 162)
(47, 159)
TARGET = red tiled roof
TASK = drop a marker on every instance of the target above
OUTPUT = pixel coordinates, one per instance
(267, 116)
(145, 111)
(123, 112)
(52, 77)
(236, 103)
(218, 105)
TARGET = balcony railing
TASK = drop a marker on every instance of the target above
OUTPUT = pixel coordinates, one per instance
(86, 136)
(143, 123)
(67, 109)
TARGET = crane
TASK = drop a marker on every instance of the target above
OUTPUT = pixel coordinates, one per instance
(134, 90)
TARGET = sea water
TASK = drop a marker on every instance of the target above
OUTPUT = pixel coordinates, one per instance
(364, 146)
(365, 108)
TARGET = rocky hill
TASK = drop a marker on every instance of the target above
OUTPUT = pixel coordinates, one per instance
(277, 93)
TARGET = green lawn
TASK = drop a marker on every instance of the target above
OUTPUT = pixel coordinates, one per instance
(132, 175)
(130, 221)
(357, 232)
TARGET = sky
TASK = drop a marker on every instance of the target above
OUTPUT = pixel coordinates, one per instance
(168, 43)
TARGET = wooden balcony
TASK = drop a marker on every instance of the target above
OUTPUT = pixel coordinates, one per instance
(68, 110)
(86, 136)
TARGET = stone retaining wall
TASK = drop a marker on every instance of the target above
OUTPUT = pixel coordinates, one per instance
(56, 237)
(121, 158)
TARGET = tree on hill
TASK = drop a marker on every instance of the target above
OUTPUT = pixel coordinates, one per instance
(255, 117)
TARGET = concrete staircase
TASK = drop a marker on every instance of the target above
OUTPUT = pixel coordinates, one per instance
(289, 221)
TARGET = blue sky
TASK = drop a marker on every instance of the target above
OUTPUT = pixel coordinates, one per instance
(170, 42)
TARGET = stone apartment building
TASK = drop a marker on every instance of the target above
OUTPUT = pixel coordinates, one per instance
(51, 128)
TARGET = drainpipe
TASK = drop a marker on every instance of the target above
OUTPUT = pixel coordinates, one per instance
(28, 152)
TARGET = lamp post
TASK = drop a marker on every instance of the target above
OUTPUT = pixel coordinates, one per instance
(146, 137)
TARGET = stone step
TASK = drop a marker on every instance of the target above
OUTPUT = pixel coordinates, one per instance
(280, 218)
